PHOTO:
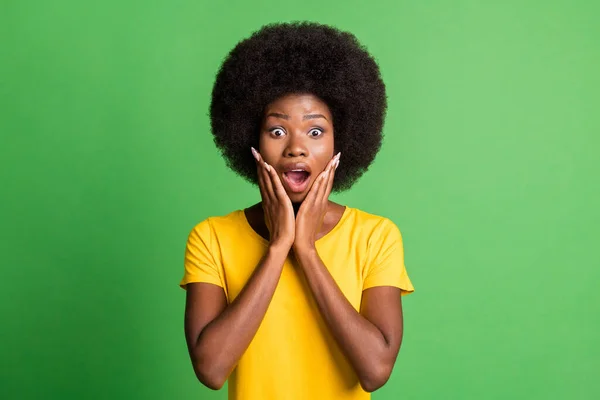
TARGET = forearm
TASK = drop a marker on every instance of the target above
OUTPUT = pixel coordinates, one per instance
(364, 345)
(223, 341)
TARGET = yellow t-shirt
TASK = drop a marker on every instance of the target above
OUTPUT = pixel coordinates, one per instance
(293, 355)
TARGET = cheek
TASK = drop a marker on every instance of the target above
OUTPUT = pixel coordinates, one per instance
(268, 149)
(324, 152)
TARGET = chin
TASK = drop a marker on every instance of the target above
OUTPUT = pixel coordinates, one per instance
(297, 197)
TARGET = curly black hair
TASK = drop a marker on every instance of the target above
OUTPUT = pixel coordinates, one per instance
(300, 57)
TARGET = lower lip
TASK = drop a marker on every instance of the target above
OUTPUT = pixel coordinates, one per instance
(296, 187)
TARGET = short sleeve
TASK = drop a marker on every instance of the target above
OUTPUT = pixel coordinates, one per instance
(201, 262)
(386, 259)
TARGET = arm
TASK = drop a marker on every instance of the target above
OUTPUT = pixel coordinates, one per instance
(217, 335)
(370, 339)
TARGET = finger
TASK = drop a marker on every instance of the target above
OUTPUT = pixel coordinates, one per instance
(278, 186)
(268, 181)
(327, 178)
(329, 186)
(323, 185)
(259, 173)
(332, 163)
(314, 189)
(255, 154)
(266, 190)
(261, 183)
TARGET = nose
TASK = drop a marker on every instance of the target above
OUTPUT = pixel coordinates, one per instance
(296, 146)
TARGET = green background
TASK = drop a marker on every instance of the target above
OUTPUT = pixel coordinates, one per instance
(490, 168)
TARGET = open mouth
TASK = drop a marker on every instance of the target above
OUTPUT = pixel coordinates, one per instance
(296, 180)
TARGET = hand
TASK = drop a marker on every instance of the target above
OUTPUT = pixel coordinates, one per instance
(277, 206)
(313, 209)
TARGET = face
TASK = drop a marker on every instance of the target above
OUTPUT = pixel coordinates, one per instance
(296, 138)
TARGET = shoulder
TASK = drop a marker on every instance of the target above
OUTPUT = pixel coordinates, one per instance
(369, 221)
(372, 229)
(218, 223)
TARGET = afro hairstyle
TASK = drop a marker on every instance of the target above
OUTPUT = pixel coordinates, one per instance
(299, 57)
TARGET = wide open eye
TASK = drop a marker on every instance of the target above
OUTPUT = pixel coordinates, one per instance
(277, 132)
(315, 132)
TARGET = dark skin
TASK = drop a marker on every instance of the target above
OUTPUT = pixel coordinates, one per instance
(295, 128)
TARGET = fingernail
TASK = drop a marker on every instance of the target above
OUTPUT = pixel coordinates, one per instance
(254, 153)
(268, 167)
(337, 162)
(339, 155)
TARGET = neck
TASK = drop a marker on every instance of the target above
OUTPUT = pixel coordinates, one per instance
(296, 207)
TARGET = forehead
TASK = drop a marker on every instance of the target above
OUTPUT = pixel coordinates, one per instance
(298, 105)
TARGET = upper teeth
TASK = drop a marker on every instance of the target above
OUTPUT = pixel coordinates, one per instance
(297, 170)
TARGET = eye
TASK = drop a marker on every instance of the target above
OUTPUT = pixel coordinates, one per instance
(277, 132)
(315, 132)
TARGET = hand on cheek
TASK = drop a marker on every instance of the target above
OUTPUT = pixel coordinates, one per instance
(313, 209)
(277, 206)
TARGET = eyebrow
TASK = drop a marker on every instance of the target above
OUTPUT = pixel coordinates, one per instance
(313, 116)
(278, 115)
(287, 117)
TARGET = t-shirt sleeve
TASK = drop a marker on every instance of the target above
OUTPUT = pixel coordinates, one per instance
(201, 259)
(386, 259)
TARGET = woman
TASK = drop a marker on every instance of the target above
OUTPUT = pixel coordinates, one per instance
(296, 297)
